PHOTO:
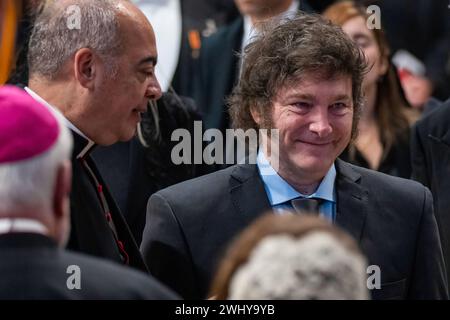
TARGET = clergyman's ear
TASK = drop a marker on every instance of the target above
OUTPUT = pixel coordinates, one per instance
(84, 64)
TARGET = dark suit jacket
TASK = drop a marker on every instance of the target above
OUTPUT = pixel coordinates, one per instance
(33, 267)
(430, 149)
(198, 16)
(90, 232)
(423, 28)
(189, 225)
(218, 71)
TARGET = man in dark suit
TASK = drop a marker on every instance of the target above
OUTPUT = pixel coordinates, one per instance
(301, 78)
(430, 155)
(96, 66)
(35, 182)
(219, 64)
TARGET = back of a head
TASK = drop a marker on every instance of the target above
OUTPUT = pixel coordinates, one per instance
(33, 145)
(292, 257)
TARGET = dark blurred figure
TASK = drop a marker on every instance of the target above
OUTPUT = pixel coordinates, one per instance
(181, 25)
(292, 257)
(200, 17)
(28, 11)
(136, 169)
(418, 32)
(219, 64)
(431, 166)
(382, 143)
(35, 183)
(422, 28)
(12, 15)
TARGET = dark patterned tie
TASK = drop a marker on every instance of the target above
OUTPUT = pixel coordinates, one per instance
(306, 205)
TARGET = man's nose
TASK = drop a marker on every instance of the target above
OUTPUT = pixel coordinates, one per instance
(153, 90)
(320, 124)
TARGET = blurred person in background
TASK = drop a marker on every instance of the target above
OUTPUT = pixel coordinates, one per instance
(181, 27)
(418, 32)
(382, 143)
(430, 154)
(292, 257)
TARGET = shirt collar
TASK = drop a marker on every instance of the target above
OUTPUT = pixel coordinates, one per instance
(279, 191)
(60, 116)
(14, 225)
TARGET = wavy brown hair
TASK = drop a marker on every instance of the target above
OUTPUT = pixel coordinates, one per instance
(286, 52)
(392, 112)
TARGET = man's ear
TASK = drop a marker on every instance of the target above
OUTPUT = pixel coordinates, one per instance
(61, 193)
(85, 67)
(256, 115)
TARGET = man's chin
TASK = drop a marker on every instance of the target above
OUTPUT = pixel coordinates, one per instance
(313, 165)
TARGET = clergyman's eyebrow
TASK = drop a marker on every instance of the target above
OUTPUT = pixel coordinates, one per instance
(153, 60)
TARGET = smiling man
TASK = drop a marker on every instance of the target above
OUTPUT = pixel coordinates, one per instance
(99, 74)
(303, 78)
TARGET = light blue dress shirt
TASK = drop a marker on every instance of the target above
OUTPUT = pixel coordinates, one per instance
(280, 193)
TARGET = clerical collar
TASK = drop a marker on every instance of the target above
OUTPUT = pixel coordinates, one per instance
(81, 145)
(22, 225)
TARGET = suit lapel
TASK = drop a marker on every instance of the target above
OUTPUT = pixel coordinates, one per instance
(352, 200)
(249, 196)
(247, 192)
(444, 140)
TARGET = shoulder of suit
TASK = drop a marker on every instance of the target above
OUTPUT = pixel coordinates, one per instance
(206, 184)
(389, 184)
(437, 120)
(96, 269)
(111, 280)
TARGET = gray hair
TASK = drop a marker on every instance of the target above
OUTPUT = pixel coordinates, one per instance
(29, 184)
(56, 36)
(314, 267)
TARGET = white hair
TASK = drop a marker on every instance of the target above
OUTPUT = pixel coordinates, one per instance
(29, 184)
(54, 40)
(314, 267)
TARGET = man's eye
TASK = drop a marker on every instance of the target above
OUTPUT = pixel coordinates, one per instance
(339, 108)
(363, 41)
(302, 105)
(147, 73)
